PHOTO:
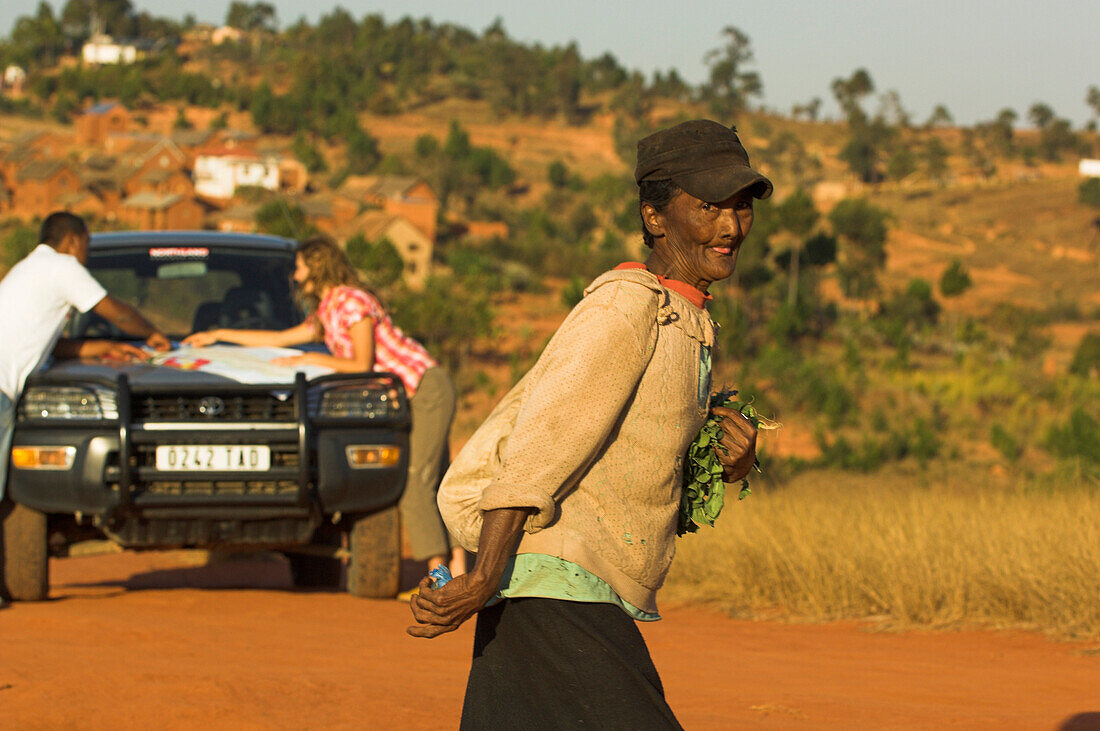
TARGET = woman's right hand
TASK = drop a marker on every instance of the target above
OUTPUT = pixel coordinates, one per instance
(201, 340)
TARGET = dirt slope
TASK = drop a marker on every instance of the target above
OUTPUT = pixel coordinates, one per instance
(134, 641)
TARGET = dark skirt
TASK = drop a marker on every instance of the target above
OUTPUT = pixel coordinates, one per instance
(553, 664)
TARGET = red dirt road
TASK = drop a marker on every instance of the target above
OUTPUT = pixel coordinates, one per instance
(155, 641)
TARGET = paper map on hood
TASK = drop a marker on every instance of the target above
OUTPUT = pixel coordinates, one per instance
(243, 364)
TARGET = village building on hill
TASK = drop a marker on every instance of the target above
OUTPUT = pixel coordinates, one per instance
(39, 185)
(15, 79)
(401, 195)
(412, 244)
(103, 49)
(226, 33)
(161, 212)
(237, 219)
(219, 171)
(99, 121)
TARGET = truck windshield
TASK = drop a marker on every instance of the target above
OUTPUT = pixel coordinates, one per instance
(185, 289)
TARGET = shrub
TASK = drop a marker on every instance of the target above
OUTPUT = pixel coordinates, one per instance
(19, 242)
(379, 261)
(1089, 192)
(1086, 359)
(1008, 445)
(573, 291)
(955, 279)
(558, 174)
(1077, 438)
(446, 317)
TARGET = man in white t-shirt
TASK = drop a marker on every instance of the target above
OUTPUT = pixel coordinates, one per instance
(36, 297)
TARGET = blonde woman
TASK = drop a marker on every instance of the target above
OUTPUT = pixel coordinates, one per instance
(361, 337)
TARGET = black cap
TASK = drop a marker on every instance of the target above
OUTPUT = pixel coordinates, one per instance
(704, 158)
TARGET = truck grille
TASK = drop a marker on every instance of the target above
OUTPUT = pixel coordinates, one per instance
(220, 488)
(207, 408)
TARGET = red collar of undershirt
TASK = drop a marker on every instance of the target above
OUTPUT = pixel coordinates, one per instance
(691, 294)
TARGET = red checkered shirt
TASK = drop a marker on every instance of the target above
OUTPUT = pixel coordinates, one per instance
(394, 351)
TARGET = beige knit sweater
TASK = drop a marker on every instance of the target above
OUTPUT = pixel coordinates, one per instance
(594, 435)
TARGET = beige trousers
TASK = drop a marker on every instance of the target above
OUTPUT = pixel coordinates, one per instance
(433, 409)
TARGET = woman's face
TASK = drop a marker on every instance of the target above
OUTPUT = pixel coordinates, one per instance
(301, 274)
(699, 239)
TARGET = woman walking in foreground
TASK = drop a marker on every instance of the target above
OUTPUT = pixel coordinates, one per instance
(569, 492)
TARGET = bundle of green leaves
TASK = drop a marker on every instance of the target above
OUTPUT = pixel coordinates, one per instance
(704, 494)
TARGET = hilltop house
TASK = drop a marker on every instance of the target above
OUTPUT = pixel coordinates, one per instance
(220, 171)
(15, 78)
(99, 121)
(103, 49)
(400, 195)
(39, 185)
(413, 245)
(160, 212)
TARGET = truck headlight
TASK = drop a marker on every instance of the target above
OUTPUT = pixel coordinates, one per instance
(67, 402)
(361, 401)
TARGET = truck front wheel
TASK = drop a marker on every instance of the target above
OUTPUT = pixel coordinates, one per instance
(374, 570)
(25, 564)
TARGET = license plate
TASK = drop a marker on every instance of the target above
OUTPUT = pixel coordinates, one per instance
(213, 457)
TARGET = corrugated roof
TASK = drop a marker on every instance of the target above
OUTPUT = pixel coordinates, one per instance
(152, 201)
(243, 153)
(40, 170)
(102, 108)
(373, 224)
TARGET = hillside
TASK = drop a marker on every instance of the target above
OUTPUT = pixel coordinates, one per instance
(868, 357)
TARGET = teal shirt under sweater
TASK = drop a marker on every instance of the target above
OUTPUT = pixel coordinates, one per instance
(550, 577)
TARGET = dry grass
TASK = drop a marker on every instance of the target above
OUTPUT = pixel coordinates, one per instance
(832, 546)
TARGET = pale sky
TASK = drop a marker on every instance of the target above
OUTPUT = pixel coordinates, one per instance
(974, 56)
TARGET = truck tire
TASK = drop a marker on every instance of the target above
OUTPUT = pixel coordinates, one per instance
(374, 570)
(25, 563)
(316, 572)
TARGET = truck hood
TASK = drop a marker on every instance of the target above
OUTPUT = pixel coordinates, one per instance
(140, 375)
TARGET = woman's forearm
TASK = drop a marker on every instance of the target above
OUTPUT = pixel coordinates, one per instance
(260, 338)
(500, 532)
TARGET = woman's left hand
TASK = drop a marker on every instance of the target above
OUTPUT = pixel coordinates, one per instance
(739, 440)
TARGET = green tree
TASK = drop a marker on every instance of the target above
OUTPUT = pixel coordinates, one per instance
(1088, 192)
(558, 174)
(902, 162)
(379, 262)
(1040, 115)
(940, 117)
(426, 146)
(115, 16)
(730, 86)
(16, 244)
(181, 121)
(362, 151)
(251, 16)
(37, 40)
(848, 93)
(308, 153)
(955, 279)
(1086, 359)
(279, 218)
(797, 216)
(1092, 98)
(934, 155)
(862, 228)
(457, 146)
(447, 317)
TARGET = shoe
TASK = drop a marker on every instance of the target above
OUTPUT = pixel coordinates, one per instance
(405, 596)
